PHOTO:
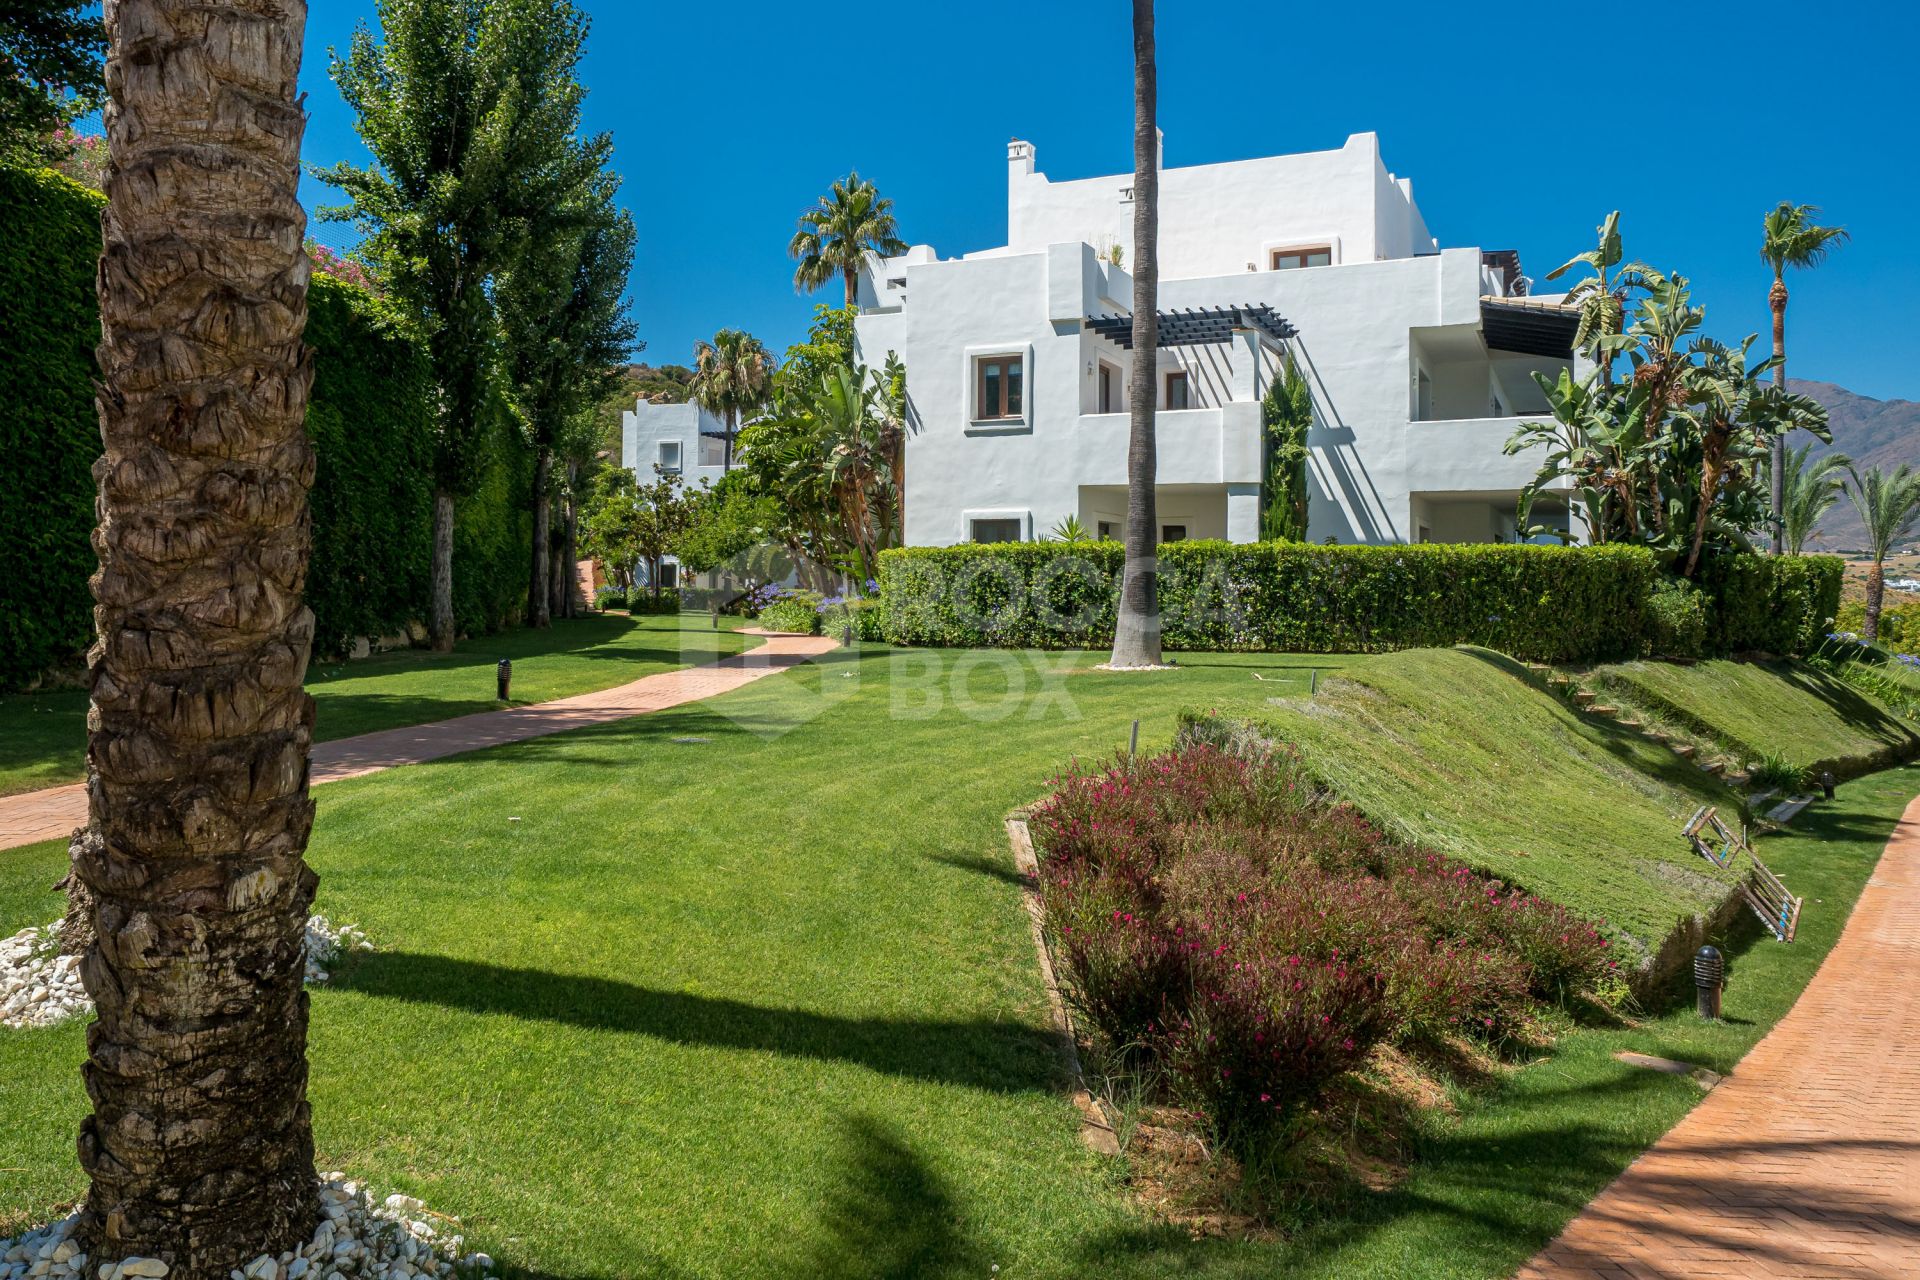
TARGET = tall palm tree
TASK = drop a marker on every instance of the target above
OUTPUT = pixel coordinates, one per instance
(836, 235)
(732, 376)
(1136, 632)
(200, 1146)
(1791, 239)
(1888, 506)
(1810, 488)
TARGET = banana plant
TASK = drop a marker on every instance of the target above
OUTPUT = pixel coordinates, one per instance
(1602, 296)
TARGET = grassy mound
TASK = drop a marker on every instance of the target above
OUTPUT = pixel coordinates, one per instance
(1455, 749)
(1774, 709)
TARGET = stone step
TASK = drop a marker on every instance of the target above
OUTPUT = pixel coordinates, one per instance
(1602, 710)
(1586, 698)
(1682, 750)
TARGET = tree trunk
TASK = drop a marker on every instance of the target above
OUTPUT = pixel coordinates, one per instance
(1876, 592)
(1136, 634)
(1777, 300)
(566, 582)
(726, 445)
(852, 276)
(539, 606)
(440, 604)
(200, 1147)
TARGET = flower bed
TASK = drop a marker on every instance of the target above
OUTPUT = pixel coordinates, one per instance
(1228, 929)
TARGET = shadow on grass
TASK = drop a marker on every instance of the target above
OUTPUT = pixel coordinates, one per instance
(891, 1217)
(998, 1057)
(981, 866)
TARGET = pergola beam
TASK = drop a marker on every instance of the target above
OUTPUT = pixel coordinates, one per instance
(1207, 326)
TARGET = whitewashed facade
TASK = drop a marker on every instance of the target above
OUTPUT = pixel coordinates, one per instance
(1418, 358)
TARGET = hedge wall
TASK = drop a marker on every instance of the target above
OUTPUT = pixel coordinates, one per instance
(49, 434)
(369, 419)
(1546, 603)
(1773, 604)
(372, 435)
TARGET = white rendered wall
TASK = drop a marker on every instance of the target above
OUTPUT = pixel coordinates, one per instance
(645, 426)
(1368, 457)
(1216, 219)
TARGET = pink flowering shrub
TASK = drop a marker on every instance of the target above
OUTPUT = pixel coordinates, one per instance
(1256, 940)
(1562, 953)
(1267, 1033)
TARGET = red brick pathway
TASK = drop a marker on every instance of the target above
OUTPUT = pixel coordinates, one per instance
(52, 814)
(1806, 1162)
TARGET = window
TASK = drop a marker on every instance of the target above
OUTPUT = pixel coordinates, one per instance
(1173, 533)
(1107, 533)
(996, 530)
(1177, 389)
(669, 575)
(1423, 399)
(670, 456)
(997, 394)
(1109, 388)
(1318, 255)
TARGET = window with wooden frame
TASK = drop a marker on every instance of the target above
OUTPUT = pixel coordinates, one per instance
(1177, 389)
(1110, 399)
(998, 388)
(1319, 255)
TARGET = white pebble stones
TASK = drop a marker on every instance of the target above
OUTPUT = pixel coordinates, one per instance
(354, 1241)
(39, 986)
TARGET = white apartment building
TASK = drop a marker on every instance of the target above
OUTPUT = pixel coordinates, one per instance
(1018, 362)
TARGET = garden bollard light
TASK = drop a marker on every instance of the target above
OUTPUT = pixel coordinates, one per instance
(503, 676)
(1826, 784)
(1709, 977)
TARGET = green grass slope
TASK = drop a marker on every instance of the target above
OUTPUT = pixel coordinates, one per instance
(1456, 749)
(1779, 709)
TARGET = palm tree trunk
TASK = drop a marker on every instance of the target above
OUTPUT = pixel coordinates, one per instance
(1777, 300)
(1136, 633)
(852, 276)
(200, 1148)
(539, 603)
(440, 601)
(1876, 593)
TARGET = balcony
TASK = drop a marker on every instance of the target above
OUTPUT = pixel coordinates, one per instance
(1219, 445)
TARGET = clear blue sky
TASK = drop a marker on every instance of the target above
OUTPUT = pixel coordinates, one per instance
(729, 120)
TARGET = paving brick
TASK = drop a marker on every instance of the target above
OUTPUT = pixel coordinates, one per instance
(52, 814)
(1805, 1163)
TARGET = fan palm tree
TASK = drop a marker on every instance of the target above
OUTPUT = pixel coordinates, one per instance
(1791, 239)
(199, 1147)
(1888, 506)
(1811, 487)
(1136, 632)
(732, 376)
(836, 235)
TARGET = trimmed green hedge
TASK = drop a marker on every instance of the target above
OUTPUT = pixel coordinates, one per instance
(370, 419)
(1771, 604)
(1547, 603)
(372, 432)
(49, 431)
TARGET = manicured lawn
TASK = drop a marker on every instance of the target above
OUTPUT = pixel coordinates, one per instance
(766, 1004)
(1453, 749)
(43, 735)
(1781, 709)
